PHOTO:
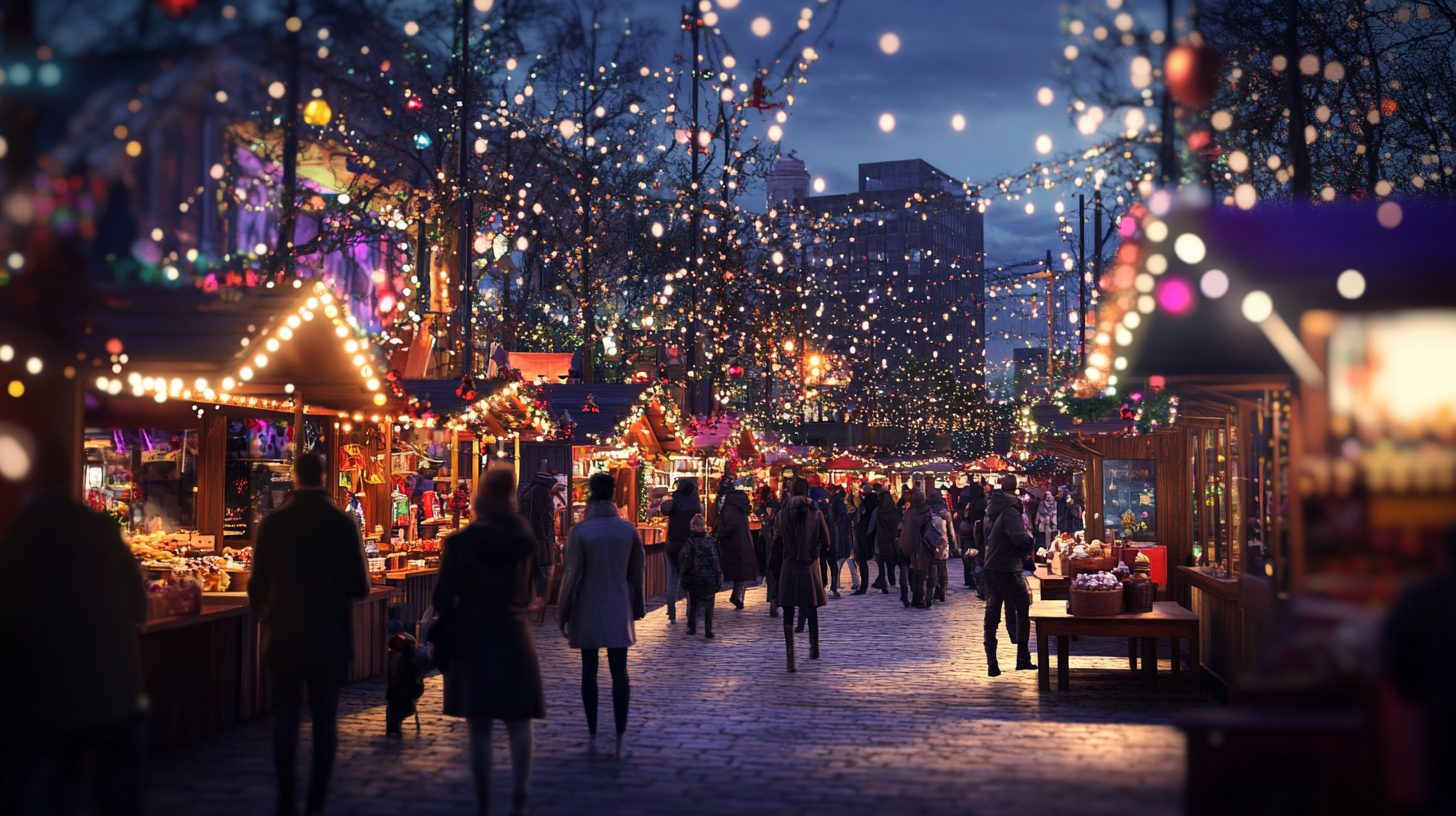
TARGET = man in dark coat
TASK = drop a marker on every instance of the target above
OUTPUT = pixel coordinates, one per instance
(308, 570)
(735, 541)
(74, 684)
(539, 510)
(864, 544)
(797, 552)
(1007, 546)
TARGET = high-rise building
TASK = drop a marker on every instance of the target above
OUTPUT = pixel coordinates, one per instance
(902, 278)
(789, 181)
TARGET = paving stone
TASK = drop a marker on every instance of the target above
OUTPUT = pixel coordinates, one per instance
(898, 714)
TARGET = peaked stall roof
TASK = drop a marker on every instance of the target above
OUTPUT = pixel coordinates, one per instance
(628, 413)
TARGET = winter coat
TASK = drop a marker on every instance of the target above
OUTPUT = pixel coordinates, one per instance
(487, 579)
(1007, 543)
(841, 531)
(942, 530)
(308, 570)
(539, 509)
(864, 546)
(73, 596)
(601, 590)
(1046, 516)
(680, 507)
(796, 552)
(701, 566)
(912, 534)
(735, 540)
(887, 533)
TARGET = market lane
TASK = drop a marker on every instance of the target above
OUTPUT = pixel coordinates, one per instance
(899, 713)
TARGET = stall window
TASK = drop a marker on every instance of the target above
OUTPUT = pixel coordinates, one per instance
(259, 474)
(1129, 498)
(145, 478)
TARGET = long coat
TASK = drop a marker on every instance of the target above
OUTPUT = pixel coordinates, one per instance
(735, 540)
(539, 509)
(308, 570)
(486, 583)
(601, 590)
(802, 536)
(887, 534)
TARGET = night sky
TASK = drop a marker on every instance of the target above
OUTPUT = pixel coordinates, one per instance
(984, 60)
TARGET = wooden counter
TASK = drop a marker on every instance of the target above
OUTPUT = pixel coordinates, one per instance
(416, 588)
(206, 672)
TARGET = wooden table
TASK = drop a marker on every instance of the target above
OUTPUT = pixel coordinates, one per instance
(1167, 620)
(1054, 587)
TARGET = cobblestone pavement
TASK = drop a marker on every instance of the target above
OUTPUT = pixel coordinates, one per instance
(898, 717)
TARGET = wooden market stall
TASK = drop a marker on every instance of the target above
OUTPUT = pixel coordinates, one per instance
(1314, 447)
(191, 443)
(636, 432)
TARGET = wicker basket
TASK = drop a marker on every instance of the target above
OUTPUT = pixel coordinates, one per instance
(1077, 566)
(1140, 596)
(1089, 603)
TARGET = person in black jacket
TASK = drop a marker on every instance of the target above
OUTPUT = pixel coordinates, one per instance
(74, 686)
(534, 499)
(864, 543)
(974, 515)
(308, 570)
(680, 507)
(1007, 545)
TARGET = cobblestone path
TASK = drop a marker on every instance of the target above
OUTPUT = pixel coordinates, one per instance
(898, 717)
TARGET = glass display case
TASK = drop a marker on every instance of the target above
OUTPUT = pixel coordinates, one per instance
(1130, 498)
(258, 474)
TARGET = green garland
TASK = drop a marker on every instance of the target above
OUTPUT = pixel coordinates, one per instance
(1147, 412)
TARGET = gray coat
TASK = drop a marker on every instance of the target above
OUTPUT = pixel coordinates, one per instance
(601, 588)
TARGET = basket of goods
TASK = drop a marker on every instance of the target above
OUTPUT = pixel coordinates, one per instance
(1086, 558)
(1095, 594)
(1140, 592)
(173, 597)
(238, 564)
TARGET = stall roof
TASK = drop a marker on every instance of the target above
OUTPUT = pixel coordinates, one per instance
(1295, 254)
(655, 424)
(180, 336)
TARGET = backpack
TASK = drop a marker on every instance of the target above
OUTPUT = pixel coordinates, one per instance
(699, 565)
(932, 535)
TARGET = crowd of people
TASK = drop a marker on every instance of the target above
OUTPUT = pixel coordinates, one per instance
(309, 569)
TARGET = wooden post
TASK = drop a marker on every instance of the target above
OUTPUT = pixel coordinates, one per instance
(211, 475)
(298, 423)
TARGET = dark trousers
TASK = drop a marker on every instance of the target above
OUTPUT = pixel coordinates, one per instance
(325, 682)
(864, 571)
(45, 777)
(704, 603)
(942, 580)
(621, 686)
(1010, 588)
(907, 583)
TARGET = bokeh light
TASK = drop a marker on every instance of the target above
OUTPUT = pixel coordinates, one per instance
(1043, 144)
(887, 122)
(958, 122)
(1214, 284)
(890, 42)
(761, 26)
(1175, 295)
(1257, 306)
(1350, 284)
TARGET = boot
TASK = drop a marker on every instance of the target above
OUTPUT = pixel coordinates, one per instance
(789, 645)
(799, 626)
(862, 590)
(814, 639)
(1023, 659)
(993, 669)
(708, 621)
(773, 611)
(692, 617)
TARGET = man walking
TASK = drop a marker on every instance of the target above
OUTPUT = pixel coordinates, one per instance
(308, 569)
(1007, 545)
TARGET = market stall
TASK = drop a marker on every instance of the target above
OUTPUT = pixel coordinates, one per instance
(189, 442)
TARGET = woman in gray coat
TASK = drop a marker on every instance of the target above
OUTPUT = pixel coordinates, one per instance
(601, 596)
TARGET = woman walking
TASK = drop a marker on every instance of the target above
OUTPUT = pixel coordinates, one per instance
(680, 507)
(735, 540)
(484, 646)
(601, 596)
(702, 576)
(768, 507)
(887, 544)
(796, 553)
(841, 536)
(864, 543)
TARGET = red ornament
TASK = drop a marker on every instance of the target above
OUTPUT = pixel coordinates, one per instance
(415, 103)
(467, 390)
(176, 8)
(735, 371)
(1192, 73)
(760, 96)
(1388, 107)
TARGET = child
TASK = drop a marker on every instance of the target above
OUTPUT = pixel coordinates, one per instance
(702, 575)
(405, 680)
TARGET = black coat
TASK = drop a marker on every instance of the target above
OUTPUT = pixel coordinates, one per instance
(735, 540)
(680, 507)
(539, 511)
(484, 588)
(73, 597)
(887, 534)
(308, 570)
(801, 543)
(1007, 543)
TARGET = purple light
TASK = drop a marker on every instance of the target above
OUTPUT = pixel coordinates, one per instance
(1175, 296)
(1127, 227)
